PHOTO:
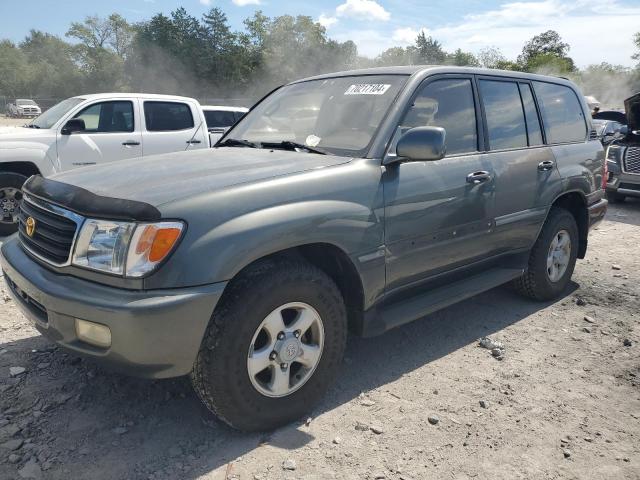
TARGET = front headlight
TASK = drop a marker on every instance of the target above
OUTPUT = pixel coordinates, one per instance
(613, 153)
(125, 248)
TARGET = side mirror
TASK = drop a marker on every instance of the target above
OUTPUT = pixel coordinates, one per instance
(73, 125)
(422, 144)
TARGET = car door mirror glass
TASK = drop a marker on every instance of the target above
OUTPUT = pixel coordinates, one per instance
(422, 144)
(73, 125)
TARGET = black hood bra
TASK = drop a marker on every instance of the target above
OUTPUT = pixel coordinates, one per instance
(89, 204)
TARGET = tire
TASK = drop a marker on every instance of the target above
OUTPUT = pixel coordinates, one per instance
(221, 376)
(9, 183)
(536, 282)
(615, 197)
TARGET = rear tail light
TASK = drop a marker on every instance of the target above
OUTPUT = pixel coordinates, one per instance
(605, 173)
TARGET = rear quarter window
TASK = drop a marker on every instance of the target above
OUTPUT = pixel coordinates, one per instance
(167, 116)
(562, 113)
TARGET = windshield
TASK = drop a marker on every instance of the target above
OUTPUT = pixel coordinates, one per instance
(337, 115)
(25, 102)
(49, 118)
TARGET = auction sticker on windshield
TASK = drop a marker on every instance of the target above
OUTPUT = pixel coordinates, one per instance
(367, 89)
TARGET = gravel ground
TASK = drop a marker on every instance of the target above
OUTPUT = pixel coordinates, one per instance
(423, 401)
(12, 122)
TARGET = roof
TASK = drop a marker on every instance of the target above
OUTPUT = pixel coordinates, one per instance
(433, 69)
(94, 96)
(224, 108)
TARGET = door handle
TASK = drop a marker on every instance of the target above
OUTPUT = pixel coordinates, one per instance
(193, 141)
(546, 165)
(130, 143)
(478, 177)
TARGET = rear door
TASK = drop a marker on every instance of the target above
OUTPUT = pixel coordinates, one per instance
(171, 126)
(437, 215)
(112, 132)
(526, 178)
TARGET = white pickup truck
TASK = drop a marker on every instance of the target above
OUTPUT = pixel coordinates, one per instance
(93, 129)
(23, 107)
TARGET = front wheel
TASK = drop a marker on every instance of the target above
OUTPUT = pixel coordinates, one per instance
(552, 258)
(273, 345)
(10, 198)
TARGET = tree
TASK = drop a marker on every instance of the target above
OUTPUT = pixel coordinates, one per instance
(636, 41)
(546, 51)
(429, 51)
(52, 61)
(396, 56)
(462, 59)
(15, 73)
(490, 57)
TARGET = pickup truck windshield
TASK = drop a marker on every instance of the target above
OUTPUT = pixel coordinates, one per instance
(49, 118)
(20, 101)
(337, 115)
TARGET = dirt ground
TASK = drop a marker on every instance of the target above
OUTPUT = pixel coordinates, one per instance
(10, 122)
(563, 403)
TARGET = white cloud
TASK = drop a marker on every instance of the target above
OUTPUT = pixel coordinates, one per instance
(363, 10)
(206, 3)
(244, 3)
(326, 21)
(407, 35)
(585, 25)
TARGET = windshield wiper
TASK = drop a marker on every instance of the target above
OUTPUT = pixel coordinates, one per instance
(31, 125)
(294, 145)
(235, 142)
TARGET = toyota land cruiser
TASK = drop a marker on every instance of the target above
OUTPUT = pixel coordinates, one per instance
(358, 200)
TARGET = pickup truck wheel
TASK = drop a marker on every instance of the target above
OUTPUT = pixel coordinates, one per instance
(552, 259)
(273, 346)
(10, 198)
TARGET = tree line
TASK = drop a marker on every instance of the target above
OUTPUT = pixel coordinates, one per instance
(204, 57)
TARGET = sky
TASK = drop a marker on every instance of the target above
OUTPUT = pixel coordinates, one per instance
(597, 30)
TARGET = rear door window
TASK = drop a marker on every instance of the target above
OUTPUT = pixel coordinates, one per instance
(504, 113)
(167, 116)
(219, 118)
(446, 103)
(562, 113)
(530, 112)
(108, 117)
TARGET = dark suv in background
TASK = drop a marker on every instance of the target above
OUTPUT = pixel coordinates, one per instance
(623, 156)
(357, 200)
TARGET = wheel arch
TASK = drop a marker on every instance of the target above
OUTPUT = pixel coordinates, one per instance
(334, 262)
(23, 168)
(575, 202)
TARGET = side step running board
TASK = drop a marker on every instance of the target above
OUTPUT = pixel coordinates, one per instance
(403, 311)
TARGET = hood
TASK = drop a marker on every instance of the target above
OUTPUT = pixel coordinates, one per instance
(19, 134)
(632, 107)
(160, 179)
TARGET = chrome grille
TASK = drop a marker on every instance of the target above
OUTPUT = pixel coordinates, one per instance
(632, 160)
(54, 233)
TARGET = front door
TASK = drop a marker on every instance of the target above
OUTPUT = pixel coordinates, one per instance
(438, 213)
(112, 132)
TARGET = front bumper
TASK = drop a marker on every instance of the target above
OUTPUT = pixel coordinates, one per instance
(155, 333)
(622, 183)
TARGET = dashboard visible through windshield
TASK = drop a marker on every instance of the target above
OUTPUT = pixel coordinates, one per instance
(335, 115)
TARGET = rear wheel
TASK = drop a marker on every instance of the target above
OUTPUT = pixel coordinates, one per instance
(10, 198)
(552, 258)
(273, 345)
